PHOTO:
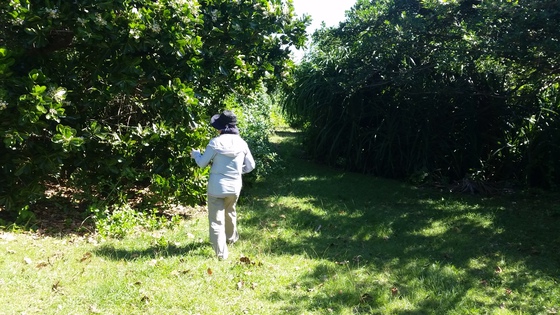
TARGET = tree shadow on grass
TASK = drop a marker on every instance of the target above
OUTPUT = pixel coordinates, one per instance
(433, 249)
(154, 251)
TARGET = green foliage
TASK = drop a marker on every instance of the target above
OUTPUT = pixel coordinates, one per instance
(453, 88)
(120, 221)
(106, 97)
(256, 115)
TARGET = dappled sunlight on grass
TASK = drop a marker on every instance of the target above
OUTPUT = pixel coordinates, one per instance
(307, 179)
(313, 241)
(436, 228)
(391, 248)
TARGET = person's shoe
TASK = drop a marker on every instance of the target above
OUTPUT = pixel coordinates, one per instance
(232, 241)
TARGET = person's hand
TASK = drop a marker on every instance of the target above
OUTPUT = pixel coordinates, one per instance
(194, 153)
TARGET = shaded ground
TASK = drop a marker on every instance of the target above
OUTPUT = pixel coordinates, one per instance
(61, 213)
(501, 244)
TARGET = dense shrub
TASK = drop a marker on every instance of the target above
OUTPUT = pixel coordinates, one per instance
(105, 97)
(257, 124)
(461, 89)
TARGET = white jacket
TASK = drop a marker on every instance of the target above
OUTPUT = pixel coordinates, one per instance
(230, 157)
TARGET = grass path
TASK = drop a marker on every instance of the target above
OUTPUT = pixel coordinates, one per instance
(314, 241)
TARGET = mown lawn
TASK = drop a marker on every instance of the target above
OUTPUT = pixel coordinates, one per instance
(314, 241)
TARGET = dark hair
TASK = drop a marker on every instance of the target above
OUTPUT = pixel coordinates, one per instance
(230, 130)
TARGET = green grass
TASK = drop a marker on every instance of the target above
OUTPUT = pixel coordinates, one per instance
(315, 241)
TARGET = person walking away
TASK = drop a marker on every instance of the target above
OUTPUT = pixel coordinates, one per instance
(229, 157)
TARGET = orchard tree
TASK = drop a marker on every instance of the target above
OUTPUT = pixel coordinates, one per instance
(456, 89)
(105, 97)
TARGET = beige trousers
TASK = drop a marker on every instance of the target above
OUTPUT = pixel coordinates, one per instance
(222, 219)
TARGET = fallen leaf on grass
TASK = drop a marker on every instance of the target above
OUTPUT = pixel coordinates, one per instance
(179, 272)
(209, 271)
(85, 257)
(42, 264)
(240, 284)
(247, 261)
(365, 298)
(394, 291)
(56, 286)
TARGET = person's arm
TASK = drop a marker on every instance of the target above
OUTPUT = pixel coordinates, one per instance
(202, 160)
(248, 162)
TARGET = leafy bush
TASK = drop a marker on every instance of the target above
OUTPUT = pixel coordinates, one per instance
(458, 89)
(258, 117)
(105, 97)
(119, 221)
